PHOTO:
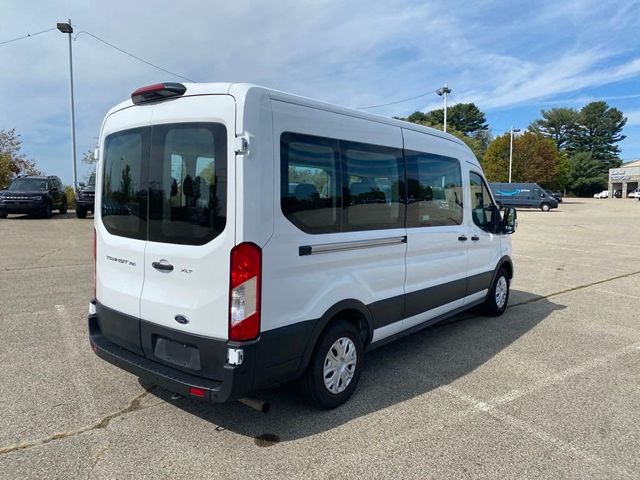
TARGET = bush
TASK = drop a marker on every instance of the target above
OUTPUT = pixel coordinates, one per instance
(71, 196)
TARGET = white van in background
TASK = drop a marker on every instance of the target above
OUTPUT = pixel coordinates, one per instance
(245, 237)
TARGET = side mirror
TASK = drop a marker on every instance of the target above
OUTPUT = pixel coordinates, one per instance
(81, 184)
(509, 220)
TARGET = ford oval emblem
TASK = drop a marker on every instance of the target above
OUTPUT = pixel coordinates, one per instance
(181, 319)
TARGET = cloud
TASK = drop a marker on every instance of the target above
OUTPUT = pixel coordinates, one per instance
(349, 52)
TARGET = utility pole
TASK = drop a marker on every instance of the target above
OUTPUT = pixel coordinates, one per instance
(68, 29)
(443, 92)
(511, 150)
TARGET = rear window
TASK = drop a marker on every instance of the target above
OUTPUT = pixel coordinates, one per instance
(124, 183)
(188, 183)
(166, 183)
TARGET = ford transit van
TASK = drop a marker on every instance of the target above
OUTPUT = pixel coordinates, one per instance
(246, 237)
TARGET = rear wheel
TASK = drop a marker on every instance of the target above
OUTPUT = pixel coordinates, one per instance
(63, 208)
(3, 215)
(335, 367)
(81, 212)
(496, 302)
(545, 207)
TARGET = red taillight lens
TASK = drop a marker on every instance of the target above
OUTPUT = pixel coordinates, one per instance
(197, 392)
(157, 91)
(95, 274)
(244, 292)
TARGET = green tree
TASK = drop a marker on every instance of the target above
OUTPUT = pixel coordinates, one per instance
(12, 162)
(586, 176)
(558, 124)
(535, 159)
(599, 129)
(463, 117)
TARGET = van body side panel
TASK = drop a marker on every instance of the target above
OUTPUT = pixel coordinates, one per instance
(120, 259)
(255, 168)
(299, 286)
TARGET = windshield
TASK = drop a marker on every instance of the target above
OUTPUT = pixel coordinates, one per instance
(23, 184)
(92, 180)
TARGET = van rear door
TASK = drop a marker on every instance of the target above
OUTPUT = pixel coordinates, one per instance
(121, 215)
(191, 216)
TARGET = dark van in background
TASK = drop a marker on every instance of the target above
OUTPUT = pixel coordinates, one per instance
(521, 195)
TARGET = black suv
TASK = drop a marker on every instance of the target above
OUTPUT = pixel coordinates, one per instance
(86, 197)
(35, 195)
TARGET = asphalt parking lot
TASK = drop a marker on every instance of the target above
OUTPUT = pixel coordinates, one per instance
(549, 390)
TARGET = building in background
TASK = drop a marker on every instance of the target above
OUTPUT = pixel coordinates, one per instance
(625, 178)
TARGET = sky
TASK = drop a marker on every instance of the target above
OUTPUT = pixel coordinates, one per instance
(512, 59)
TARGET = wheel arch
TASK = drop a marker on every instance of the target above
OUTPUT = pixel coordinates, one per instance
(351, 310)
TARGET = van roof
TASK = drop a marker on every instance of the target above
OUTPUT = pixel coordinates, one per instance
(242, 91)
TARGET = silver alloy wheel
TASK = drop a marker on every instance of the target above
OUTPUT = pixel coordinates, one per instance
(502, 288)
(340, 365)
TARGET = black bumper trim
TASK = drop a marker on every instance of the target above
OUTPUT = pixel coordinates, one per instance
(236, 381)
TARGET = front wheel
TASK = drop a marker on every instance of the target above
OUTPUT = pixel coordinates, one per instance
(63, 208)
(545, 207)
(81, 212)
(47, 211)
(3, 215)
(335, 367)
(496, 302)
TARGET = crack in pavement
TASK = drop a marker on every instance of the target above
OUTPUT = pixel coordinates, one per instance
(133, 405)
(40, 267)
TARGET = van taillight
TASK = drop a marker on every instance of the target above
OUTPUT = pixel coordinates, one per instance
(95, 273)
(244, 292)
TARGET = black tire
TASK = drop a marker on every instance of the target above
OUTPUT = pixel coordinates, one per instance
(47, 210)
(545, 207)
(81, 212)
(313, 381)
(3, 215)
(495, 305)
(63, 208)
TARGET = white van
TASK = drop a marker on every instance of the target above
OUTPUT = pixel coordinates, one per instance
(246, 237)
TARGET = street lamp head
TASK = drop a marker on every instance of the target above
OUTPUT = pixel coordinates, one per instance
(516, 130)
(440, 91)
(65, 27)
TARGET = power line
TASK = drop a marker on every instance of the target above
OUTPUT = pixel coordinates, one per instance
(396, 102)
(28, 35)
(134, 56)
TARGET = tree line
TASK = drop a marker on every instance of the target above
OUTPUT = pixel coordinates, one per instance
(564, 149)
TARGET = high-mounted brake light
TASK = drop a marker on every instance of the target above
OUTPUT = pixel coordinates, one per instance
(244, 292)
(158, 91)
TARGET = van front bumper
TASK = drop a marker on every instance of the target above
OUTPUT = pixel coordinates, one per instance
(235, 382)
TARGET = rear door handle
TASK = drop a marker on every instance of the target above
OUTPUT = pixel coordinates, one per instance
(462, 238)
(165, 267)
(475, 238)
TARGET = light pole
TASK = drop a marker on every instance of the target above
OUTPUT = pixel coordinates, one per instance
(68, 29)
(516, 130)
(443, 92)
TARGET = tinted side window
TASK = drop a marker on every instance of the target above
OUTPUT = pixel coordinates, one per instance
(310, 182)
(434, 186)
(124, 196)
(481, 203)
(187, 183)
(374, 187)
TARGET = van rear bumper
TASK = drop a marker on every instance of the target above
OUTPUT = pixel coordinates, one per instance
(236, 380)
